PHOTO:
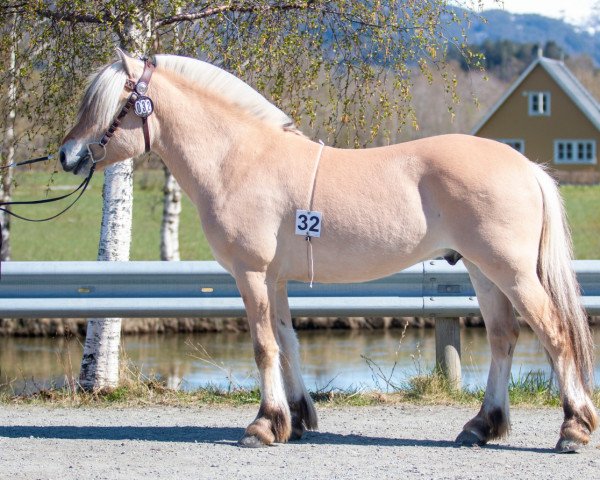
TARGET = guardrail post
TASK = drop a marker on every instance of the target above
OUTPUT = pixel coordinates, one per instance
(447, 349)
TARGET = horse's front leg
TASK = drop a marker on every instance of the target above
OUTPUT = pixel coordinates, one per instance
(302, 409)
(273, 422)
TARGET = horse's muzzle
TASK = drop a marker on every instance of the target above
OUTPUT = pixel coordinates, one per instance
(73, 159)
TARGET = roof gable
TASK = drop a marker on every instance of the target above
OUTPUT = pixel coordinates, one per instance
(563, 77)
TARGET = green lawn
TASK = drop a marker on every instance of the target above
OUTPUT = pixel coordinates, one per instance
(74, 236)
(583, 210)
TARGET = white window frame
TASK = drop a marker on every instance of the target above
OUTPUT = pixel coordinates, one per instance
(511, 143)
(574, 145)
(539, 95)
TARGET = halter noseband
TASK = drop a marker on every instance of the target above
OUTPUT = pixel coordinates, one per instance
(142, 106)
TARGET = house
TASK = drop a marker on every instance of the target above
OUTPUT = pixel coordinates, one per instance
(551, 118)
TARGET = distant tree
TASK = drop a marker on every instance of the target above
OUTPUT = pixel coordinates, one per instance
(587, 73)
(506, 59)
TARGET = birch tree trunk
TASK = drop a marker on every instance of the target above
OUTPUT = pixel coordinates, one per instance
(100, 362)
(8, 145)
(169, 230)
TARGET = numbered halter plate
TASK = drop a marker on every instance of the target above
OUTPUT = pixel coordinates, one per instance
(143, 107)
(308, 224)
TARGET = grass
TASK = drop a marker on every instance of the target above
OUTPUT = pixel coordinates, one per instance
(136, 390)
(582, 210)
(533, 389)
(74, 236)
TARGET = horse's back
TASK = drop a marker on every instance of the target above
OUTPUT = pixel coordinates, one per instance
(386, 208)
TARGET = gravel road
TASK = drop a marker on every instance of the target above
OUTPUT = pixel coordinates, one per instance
(353, 442)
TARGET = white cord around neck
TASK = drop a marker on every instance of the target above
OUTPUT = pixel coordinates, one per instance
(309, 249)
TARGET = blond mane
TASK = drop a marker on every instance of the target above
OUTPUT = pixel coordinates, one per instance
(102, 96)
(101, 99)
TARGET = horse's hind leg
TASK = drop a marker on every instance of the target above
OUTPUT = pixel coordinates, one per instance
(302, 409)
(273, 422)
(493, 421)
(538, 310)
(526, 293)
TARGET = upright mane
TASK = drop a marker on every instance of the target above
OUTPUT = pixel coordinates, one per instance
(227, 85)
(101, 99)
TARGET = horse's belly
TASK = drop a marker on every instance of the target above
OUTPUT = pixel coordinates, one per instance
(350, 270)
(345, 256)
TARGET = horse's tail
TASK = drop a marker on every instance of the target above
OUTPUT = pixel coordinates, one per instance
(558, 278)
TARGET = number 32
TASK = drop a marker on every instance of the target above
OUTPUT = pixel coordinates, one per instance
(314, 227)
(308, 223)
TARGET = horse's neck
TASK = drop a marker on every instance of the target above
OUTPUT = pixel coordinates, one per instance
(208, 146)
(202, 149)
(192, 141)
(195, 164)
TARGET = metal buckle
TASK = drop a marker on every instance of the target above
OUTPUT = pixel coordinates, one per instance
(141, 88)
(91, 153)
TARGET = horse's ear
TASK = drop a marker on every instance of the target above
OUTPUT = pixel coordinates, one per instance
(127, 61)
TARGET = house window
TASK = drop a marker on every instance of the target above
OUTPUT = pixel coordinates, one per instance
(539, 103)
(575, 152)
(516, 143)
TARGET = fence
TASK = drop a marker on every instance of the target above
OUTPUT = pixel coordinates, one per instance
(204, 289)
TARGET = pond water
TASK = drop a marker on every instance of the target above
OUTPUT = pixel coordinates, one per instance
(333, 359)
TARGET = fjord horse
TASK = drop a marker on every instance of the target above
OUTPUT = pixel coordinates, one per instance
(248, 170)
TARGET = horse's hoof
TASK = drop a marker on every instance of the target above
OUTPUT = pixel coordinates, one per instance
(469, 439)
(297, 428)
(251, 441)
(297, 434)
(565, 445)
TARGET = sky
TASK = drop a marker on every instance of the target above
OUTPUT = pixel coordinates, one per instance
(574, 11)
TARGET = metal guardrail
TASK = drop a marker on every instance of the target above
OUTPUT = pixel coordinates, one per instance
(204, 289)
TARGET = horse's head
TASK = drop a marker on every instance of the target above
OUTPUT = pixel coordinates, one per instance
(192, 91)
(104, 98)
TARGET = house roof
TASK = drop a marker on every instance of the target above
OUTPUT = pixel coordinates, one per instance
(565, 79)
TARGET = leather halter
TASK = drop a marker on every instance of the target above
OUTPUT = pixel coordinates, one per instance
(142, 105)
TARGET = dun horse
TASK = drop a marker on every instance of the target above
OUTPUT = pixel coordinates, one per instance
(256, 181)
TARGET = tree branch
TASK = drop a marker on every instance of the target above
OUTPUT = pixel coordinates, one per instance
(74, 17)
(209, 12)
(307, 5)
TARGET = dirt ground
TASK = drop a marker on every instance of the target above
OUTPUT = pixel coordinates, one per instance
(394, 442)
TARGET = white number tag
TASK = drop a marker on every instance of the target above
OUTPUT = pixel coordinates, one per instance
(143, 107)
(308, 223)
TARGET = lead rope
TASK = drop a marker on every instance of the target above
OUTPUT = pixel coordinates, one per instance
(309, 248)
(81, 189)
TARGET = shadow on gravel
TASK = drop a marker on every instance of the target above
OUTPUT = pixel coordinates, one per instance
(318, 438)
(228, 435)
(154, 434)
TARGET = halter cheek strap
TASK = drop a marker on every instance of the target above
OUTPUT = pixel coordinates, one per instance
(146, 108)
(142, 104)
